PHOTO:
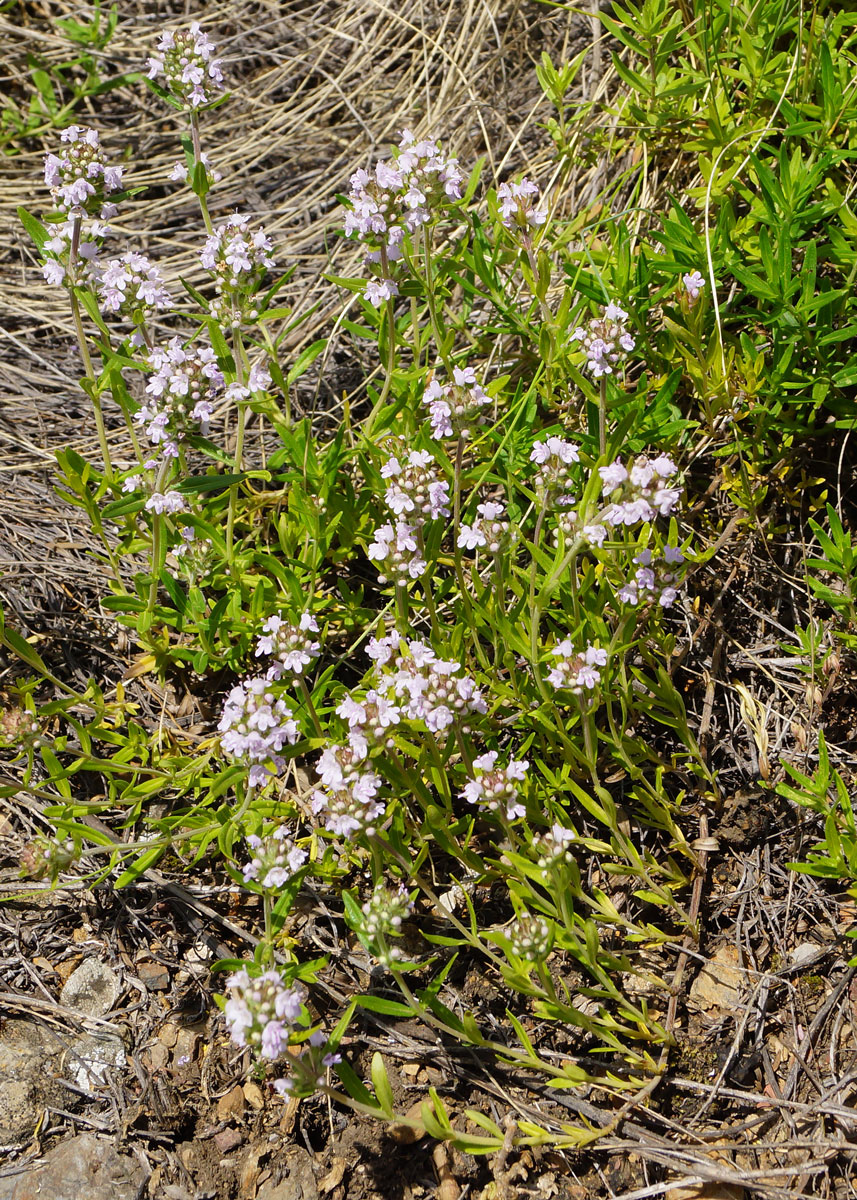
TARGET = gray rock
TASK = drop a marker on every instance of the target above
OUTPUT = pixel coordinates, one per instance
(30, 1077)
(92, 989)
(81, 1168)
(89, 1058)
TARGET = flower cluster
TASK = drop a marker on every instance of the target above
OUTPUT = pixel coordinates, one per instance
(308, 1069)
(434, 690)
(180, 391)
(259, 1011)
(196, 555)
(258, 380)
(290, 645)
(46, 857)
(489, 529)
(554, 458)
(397, 551)
(394, 200)
(553, 849)
(496, 787)
(517, 205)
(370, 721)
(161, 503)
(77, 176)
(693, 285)
(605, 340)
(530, 938)
(654, 577)
(19, 727)
(641, 493)
(185, 60)
(348, 799)
(381, 918)
(454, 407)
(58, 269)
(577, 671)
(414, 490)
(256, 725)
(238, 259)
(275, 859)
(131, 285)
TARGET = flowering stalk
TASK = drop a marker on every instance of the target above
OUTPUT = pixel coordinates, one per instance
(198, 163)
(84, 353)
(602, 416)
(158, 548)
(239, 355)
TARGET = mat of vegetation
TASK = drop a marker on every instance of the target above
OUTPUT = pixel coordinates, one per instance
(429, 603)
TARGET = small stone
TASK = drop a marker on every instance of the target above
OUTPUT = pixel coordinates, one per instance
(168, 1035)
(232, 1104)
(228, 1139)
(156, 1057)
(92, 989)
(155, 977)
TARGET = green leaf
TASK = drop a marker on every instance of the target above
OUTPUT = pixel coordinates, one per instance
(34, 228)
(381, 1083)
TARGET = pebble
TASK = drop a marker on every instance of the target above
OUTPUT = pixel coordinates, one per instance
(92, 989)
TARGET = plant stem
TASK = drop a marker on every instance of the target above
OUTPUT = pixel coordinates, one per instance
(158, 550)
(432, 307)
(84, 352)
(240, 358)
(602, 416)
(197, 156)
(307, 695)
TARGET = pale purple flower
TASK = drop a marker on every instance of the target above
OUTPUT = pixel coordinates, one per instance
(78, 176)
(275, 859)
(553, 847)
(490, 528)
(555, 458)
(370, 721)
(577, 671)
(455, 407)
(347, 802)
(180, 172)
(166, 502)
(238, 257)
(644, 491)
(428, 689)
(395, 199)
(693, 283)
(595, 534)
(289, 644)
(259, 1010)
(517, 205)
(185, 60)
(396, 551)
(259, 379)
(495, 788)
(130, 285)
(179, 391)
(605, 340)
(256, 725)
(415, 491)
(379, 290)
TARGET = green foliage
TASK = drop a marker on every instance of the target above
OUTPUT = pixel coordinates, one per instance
(587, 858)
